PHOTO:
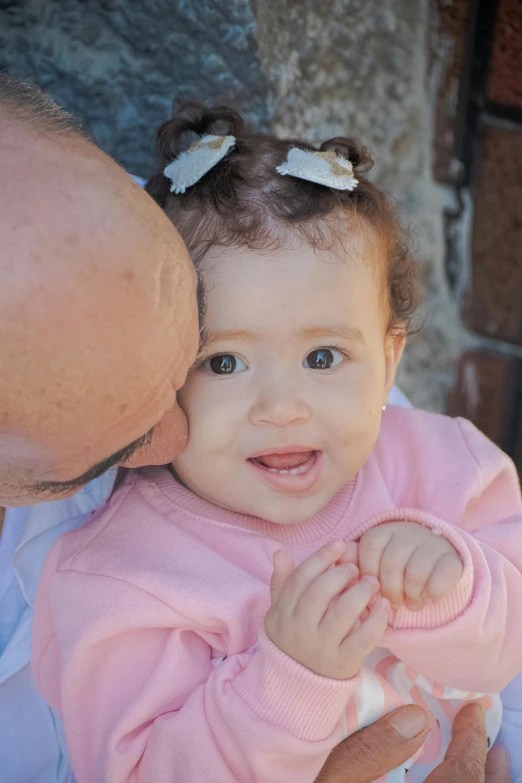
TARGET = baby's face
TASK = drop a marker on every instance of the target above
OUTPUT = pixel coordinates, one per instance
(285, 405)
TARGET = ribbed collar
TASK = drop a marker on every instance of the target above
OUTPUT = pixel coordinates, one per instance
(322, 526)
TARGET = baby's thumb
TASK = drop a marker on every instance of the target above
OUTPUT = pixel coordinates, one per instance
(283, 567)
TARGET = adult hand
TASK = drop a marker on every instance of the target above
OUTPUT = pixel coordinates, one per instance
(465, 760)
(392, 740)
(384, 745)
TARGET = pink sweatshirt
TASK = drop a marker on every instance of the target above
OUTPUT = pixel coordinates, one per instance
(148, 632)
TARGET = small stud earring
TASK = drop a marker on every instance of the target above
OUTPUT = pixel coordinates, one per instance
(384, 407)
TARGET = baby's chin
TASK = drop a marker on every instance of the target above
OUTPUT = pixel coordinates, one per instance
(281, 511)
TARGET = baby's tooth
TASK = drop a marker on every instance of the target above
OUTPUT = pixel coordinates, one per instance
(294, 472)
(284, 472)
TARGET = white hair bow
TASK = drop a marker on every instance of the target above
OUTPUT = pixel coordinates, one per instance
(324, 168)
(194, 163)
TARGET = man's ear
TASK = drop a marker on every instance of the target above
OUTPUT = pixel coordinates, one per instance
(395, 343)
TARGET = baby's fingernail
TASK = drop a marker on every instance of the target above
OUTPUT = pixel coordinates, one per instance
(385, 604)
(371, 580)
(336, 546)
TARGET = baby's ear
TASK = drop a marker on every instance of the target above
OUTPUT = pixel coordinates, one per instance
(395, 342)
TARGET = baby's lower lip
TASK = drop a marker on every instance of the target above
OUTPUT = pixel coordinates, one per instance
(291, 479)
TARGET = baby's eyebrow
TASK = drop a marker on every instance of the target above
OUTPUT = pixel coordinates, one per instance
(352, 333)
(343, 331)
(212, 337)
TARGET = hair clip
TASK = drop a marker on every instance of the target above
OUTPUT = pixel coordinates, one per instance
(194, 163)
(323, 168)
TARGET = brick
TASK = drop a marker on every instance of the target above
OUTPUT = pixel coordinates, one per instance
(505, 72)
(484, 393)
(493, 304)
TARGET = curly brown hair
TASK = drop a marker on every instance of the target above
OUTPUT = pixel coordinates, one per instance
(244, 201)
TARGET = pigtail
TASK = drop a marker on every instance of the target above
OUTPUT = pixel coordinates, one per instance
(359, 156)
(190, 121)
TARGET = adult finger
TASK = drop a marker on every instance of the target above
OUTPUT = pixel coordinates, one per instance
(465, 759)
(308, 570)
(497, 766)
(372, 752)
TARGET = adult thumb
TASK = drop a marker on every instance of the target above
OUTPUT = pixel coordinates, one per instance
(377, 749)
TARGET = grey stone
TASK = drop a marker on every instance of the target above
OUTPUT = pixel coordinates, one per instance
(119, 64)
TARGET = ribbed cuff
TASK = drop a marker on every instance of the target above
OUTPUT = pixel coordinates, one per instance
(452, 605)
(282, 692)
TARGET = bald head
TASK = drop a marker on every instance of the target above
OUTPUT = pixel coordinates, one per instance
(98, 317)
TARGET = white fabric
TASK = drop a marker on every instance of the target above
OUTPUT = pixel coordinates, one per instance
(396, 397)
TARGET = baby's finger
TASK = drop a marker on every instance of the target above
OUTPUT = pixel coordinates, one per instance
(370, 634)
(308, 570)
(351, 553)
(445, 576)
(343, 613)
(371, 546)
(314, 601)
(394, 560)
(417, 575)
(283, 567)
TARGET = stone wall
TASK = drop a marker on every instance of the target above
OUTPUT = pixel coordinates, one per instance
(316, 68)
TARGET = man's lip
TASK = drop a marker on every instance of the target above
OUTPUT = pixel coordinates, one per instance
(282, 450)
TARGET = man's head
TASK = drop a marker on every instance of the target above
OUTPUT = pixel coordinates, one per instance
(98, 316)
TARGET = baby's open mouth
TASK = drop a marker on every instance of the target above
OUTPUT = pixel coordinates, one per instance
(294, 463)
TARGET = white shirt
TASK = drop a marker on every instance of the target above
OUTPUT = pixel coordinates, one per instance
(32, 749)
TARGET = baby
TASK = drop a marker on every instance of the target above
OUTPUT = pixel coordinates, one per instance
(310, 561)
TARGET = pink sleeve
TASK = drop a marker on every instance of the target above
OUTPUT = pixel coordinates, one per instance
(142, 701)
(475, 634)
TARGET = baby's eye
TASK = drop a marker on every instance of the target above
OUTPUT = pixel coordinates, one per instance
(323, 359)
(225, 364)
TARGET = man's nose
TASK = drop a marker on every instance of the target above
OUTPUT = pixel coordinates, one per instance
(280, 401)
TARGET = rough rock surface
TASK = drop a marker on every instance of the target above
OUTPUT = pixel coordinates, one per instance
(316, 68)
(119, 64)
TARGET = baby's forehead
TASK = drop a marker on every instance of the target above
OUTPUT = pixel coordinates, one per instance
(340, 238)
(289, 291)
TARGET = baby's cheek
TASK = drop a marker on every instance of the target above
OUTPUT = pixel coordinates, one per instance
(357, 434)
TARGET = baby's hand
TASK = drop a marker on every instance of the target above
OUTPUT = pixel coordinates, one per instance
(414, 566)
(314, 612)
